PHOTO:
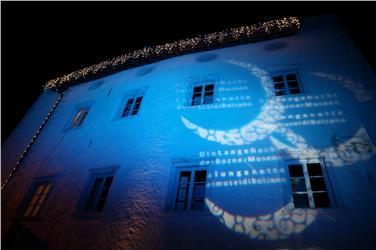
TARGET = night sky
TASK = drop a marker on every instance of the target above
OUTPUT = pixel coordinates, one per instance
(41, 41)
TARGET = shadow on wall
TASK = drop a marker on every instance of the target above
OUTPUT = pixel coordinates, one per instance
(19, 237)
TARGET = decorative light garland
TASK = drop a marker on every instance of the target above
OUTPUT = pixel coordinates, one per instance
(252, 33)
(6, 182)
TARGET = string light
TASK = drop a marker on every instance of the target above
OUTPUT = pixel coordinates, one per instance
(30, 144)
(139, 57)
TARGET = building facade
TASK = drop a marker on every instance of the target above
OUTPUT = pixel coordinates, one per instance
(267, 144)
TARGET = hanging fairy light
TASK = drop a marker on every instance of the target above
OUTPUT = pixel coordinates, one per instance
(18, 163)
(250, 33)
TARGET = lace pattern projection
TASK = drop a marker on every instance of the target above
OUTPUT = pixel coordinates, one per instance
(278, 225)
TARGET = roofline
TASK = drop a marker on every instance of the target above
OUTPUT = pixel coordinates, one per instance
(235, 36)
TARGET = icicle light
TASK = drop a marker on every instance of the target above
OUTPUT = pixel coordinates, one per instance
(252, 33)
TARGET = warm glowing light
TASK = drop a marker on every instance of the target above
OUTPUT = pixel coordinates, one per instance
(251, 33)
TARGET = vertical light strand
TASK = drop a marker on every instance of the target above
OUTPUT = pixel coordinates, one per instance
(7, 180)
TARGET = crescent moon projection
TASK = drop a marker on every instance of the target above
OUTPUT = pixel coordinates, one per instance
(274, 226)
(358, 147)
(360, 91)
(264, 124)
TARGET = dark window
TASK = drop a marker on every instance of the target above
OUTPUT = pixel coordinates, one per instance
(286, 84)
(79, 118)
(190, 194)
(37, 198)
(98, 193)
(203, 94)
(132, 106)
(308, 185)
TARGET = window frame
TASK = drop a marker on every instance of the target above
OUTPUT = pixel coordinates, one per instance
(285, 82)
(193, 82)
(203, 92)
(132, 106)
(175, 184)
(94, 197)
(26, 201)
(74, 122)
(307, 181)
(75, 111)
(93, 174)
(130, 94)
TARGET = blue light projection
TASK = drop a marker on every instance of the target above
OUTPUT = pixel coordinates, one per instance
(361, 93)
(275, 226)
(264, 124)
(256, 147)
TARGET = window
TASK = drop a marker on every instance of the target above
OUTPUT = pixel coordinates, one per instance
(203, 94)
(36, 198)
(308, 184)
(79, 118)
(286, 84)
(190, 190)
(132, 106)
(100, 187)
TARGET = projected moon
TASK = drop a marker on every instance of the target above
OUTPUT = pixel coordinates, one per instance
(257, 129)
(282, 221)
(278, 225)
(358, 147)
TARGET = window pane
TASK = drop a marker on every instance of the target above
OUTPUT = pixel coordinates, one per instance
(94, 193)
(180, 205)
(298, 185)
(279, 86)
(28, 211)
(197, 89)
(37, 200)
(185, 176)
(278, 93)
(277, 79)
(321, 199)
(36, 210)
(290, 77)
(318, 184)
(208, 100)
(295, 170)
(79, 118)
(82, 118)
(200, 176)
(104, 193)
(300, 200)
(197, 204)
(199, 190)
(293, 84)
(139, 99)
(126, 111)
(314, 169)
(209, 87)
(182, 192)
(196, 99)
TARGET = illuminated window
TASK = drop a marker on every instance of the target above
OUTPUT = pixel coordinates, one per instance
(190, 190)
(203, 94)
(36, 198)
(79, 118)
(132, 106)
(286, 84)
(100, 187)
(309, 186)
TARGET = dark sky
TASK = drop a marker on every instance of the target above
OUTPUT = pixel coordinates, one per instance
(43, 40)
